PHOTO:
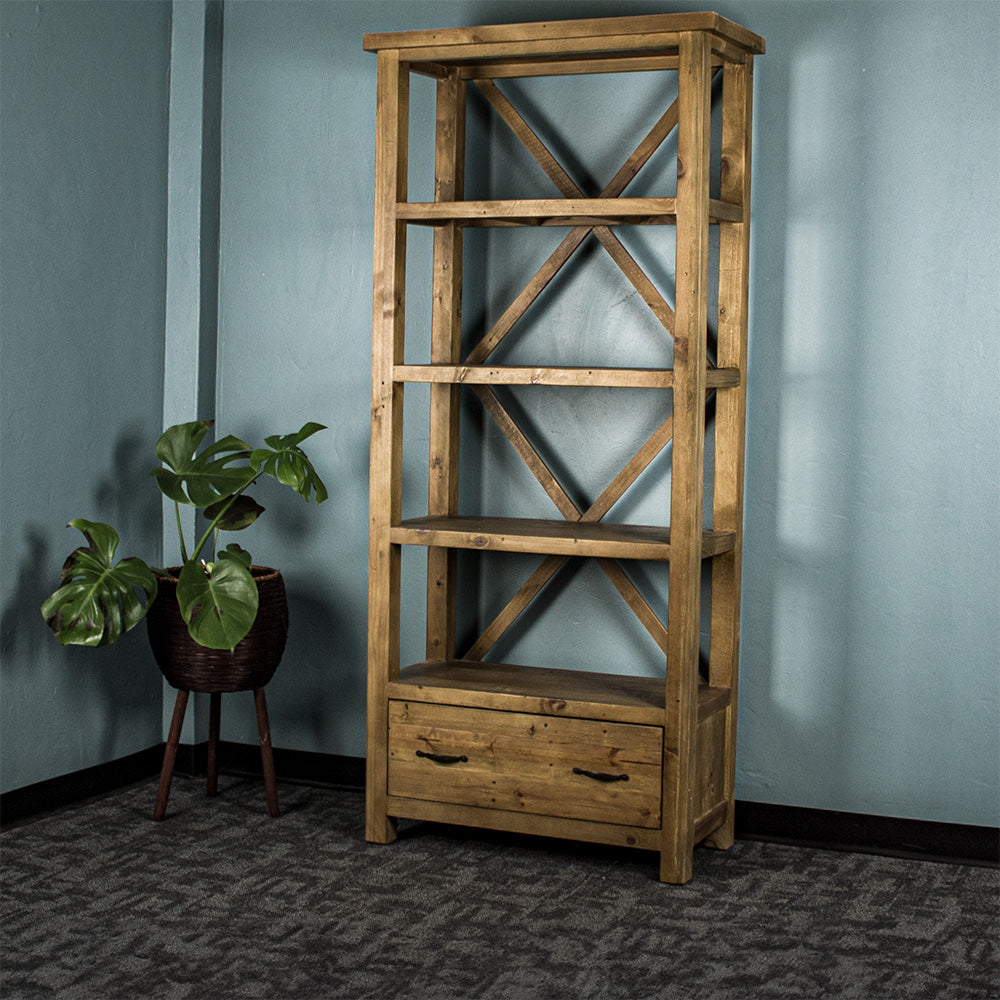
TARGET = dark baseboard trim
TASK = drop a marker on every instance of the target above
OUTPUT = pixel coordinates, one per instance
(839, 831)
(69, 789)
(819, 828)
(324, 770)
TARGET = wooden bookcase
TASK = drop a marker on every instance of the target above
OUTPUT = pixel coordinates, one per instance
(607, 758)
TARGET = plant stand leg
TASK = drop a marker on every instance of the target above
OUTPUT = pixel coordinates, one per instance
(266, 756)
(214, 716)
(170, 755)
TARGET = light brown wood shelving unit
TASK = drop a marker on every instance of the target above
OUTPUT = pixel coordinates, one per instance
(608, 758)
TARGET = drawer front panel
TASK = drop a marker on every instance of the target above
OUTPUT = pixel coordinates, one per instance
(577, 768)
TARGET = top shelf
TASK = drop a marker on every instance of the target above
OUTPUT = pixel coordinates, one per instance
(540, 42)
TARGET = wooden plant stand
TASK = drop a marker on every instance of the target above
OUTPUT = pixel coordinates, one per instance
(608, 758)
(214, 718)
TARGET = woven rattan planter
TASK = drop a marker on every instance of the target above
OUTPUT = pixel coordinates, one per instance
(191, 667)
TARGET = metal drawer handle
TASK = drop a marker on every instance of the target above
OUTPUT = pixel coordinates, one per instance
(600, 775)
(443, 758)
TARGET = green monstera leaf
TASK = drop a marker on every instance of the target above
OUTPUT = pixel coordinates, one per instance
(237, 552)
(236, 514)
(99, 600)
(200, 480)
(218, 600)
(285, 461)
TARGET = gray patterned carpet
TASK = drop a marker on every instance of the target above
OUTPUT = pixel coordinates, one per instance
(222, 902)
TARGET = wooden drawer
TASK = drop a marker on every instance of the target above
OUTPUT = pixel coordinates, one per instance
(526, 763)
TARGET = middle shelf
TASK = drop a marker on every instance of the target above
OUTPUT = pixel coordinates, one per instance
(551, 537)
(586, 212)
(625, 378)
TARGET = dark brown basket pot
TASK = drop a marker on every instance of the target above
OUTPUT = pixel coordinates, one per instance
(191, 667)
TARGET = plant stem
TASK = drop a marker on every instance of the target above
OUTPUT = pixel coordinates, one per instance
(180, 531)
(218, 517)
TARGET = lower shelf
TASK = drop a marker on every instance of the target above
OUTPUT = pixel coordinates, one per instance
(612, 834)
(579, 694)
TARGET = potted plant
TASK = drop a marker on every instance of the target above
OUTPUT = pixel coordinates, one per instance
(217, 623)
(202, 616)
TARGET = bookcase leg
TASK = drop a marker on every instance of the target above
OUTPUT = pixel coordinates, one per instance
(677, 861)
(380, 828)
(723, 838)
(385, 501)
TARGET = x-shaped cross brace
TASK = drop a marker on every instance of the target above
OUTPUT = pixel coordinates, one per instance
(654, 444)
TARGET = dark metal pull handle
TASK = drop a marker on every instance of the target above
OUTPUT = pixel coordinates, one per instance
(600, 775)
(443, 758)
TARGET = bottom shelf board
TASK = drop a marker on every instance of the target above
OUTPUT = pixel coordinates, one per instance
(578, 694)
(547, 826)
(510, 822)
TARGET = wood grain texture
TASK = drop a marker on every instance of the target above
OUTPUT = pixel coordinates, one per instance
(575, 768)
(498, 70)
(510, 612)
(613, 834)
(446, 339)
(591, 377)
(687, 470)
(588, 212)
(730, 414)
(392, 102)
(582, 694)
(570, 538)
(561, 39)
(605, 757)
(652, 141)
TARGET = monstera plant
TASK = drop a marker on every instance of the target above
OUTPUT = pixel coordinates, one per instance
(100, 599)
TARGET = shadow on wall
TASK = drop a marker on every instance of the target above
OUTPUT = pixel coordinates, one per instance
(316, 698)
(802, 675)
(22, 632)
(105, 685)
(323, 686)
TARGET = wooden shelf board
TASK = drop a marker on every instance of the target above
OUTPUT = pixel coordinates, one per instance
(578, 694)
(570, 65)
(511, 822)
(561, 39)
(638, 378)
(551, 537)
(573, 65)
(588, 212)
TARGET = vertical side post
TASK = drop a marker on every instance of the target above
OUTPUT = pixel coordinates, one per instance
(446, 341)
(730, 415)
(391, 130)
(687, 470)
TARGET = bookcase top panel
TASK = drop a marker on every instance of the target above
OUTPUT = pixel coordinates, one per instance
(562, 40)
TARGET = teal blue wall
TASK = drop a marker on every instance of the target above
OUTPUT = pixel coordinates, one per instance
(872, 566)
(83, 176)
(871, 636)
(871, 611)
